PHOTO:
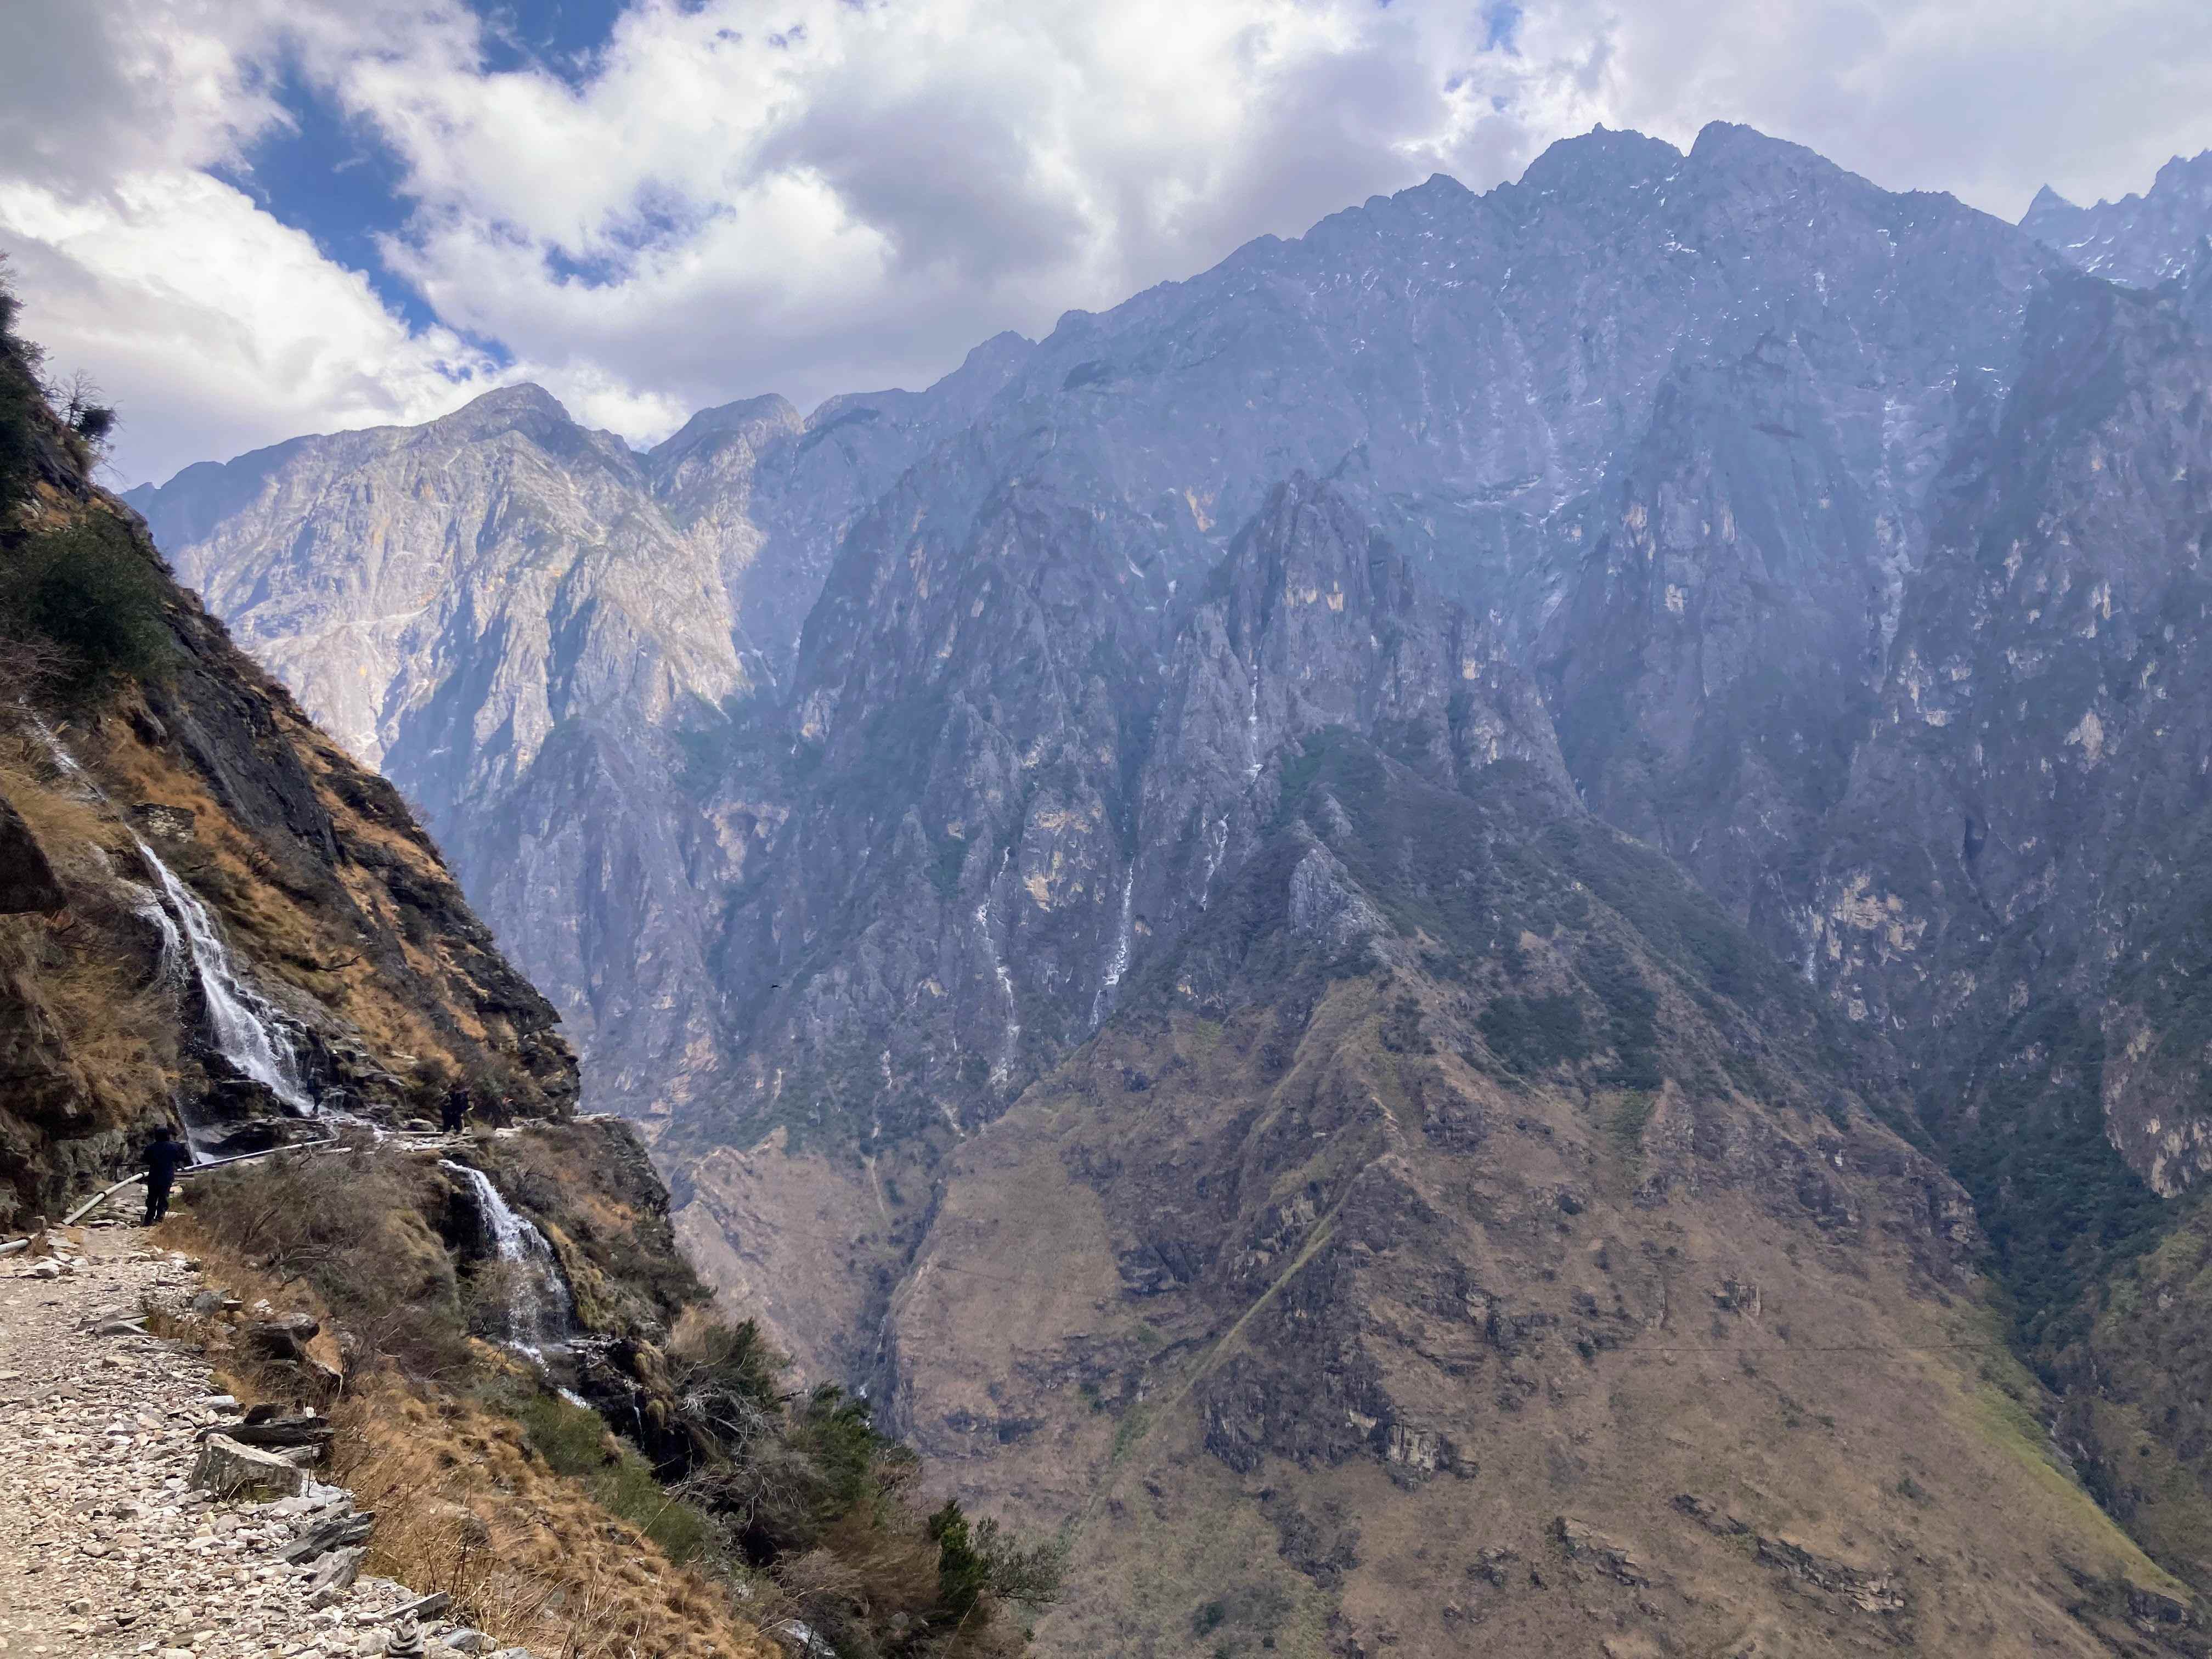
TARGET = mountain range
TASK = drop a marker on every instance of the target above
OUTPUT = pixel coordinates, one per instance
(1532, 852)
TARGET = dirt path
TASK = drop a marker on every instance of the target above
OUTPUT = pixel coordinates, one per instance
(105, 1546)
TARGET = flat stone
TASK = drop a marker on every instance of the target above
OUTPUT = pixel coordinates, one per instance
(231, 1470)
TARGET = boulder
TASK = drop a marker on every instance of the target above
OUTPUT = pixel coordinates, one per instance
(334, 1576)
(27, 884)
(230, 1470)
(1587, 1545)
(284, 1341)
(341, 1533)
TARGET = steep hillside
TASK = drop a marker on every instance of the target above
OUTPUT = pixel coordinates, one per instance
(217, 917)
(1465, 1240)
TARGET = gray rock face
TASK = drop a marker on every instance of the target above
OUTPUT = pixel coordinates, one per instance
(2142, 240)
(26, 878)
(522, 623)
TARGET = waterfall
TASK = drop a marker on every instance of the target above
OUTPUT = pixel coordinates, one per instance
(540, 1313)
(246, 1032)
(1252, 722)
(1118, 963)
(1000, 1071)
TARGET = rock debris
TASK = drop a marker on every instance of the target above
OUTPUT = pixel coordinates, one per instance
(106, 1545)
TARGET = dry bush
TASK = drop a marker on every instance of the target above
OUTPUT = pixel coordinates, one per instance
(352, 1225)
(30, 668)
(250, 1377)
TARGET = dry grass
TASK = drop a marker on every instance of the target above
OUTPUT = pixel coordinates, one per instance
(291, 936)
(464, 1506)
(88, 968)
(122, 1029)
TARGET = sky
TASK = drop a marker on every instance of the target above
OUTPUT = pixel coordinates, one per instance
(251, 219)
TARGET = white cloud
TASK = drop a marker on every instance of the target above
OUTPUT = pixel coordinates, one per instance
(216, 327)
(853, 197)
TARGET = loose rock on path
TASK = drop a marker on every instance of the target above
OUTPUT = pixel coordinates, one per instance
(106, 1546)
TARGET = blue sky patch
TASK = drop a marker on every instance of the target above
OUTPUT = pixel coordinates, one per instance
(335, 178)
(561, 37)
(1501, 27)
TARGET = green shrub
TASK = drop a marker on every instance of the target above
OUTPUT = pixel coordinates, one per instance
(1530, 1034)
(18, 400)
(573, 1442)
(88, 591)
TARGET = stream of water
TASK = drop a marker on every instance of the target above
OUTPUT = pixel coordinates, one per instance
(540, 1313)
(243, 1022)
(244, 1026)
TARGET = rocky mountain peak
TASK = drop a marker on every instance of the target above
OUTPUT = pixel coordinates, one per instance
(2140, 239)
(768, 413)
(1596, 163)
(529, 409)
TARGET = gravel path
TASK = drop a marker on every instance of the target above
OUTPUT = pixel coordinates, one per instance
(105, 1546)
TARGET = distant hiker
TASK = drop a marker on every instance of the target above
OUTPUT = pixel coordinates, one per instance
(165, 1156)
(455, 1117)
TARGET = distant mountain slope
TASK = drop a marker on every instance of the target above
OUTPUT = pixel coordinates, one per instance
(1843, 548)
(520, 621)
(2142, 240)
(1428, 1259)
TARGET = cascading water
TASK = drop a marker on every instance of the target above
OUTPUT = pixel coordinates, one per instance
(1110, 984)
(246, 1029)
(540, 1313)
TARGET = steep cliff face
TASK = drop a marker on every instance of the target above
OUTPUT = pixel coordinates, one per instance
(2024, 818)
(1034, 803)
(238, 925)
(1470, 372)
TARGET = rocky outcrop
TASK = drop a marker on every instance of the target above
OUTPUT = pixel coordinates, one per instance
(230, 1470)
(27, 884)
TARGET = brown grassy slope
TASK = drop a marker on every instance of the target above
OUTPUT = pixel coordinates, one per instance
(464, 1505)
(1314, 1320)
(2136, 1419)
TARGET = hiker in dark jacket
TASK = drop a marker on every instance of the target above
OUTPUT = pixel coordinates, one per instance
(455, 1117)
(165, 1156)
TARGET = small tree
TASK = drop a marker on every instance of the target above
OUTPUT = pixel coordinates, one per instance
(84, 409)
